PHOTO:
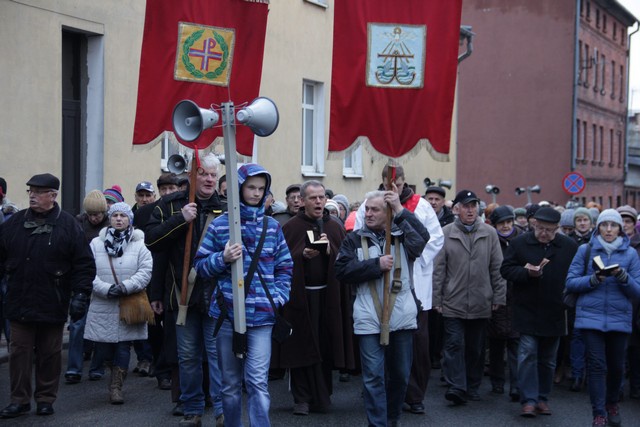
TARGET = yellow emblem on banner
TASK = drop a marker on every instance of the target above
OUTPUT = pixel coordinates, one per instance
(204, 54)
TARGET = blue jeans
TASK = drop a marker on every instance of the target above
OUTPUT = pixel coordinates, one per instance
(254, 369)
(463, 353)
(577, 354)
(536, 365)
(606, 353)
(383, 398)
(143, 350)
(195, 341)
(119, 352)
(76, 346)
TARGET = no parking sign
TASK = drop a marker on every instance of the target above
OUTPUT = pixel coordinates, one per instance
(574, 183)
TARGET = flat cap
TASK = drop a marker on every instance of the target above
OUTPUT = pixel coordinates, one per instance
(501, 213)
(292, 187)
(547, 214)
(627, 210)
(45, 180)
(436, 189)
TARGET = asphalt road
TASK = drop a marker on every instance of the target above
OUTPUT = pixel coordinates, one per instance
(87, 404)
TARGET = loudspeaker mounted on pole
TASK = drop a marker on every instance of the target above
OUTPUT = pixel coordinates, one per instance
(261, 116)
(189, 120)
(176, 164)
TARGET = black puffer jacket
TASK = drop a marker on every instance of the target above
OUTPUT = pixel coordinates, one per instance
(44, 269)
(165, 235)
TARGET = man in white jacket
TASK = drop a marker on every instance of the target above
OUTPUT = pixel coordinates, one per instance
(422, 279)
(362, 261)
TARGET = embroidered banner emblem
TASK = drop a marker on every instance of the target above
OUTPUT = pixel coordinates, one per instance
(396, 55)
(204, 54)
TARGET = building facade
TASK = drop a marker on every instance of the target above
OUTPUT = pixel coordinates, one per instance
(70, 104)
(544, 95)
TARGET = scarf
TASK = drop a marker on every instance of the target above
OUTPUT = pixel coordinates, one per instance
(609, 248)
(115, 241)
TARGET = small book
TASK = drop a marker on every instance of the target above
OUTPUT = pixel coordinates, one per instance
(538, 267)
(319, 245)
(601, 268)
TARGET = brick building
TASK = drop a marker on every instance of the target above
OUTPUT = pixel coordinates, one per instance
(545, 94)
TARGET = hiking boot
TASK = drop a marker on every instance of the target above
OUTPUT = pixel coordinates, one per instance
(613, 415)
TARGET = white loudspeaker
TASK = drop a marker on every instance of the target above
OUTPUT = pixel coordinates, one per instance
(261, 116)
(443, 183)
(535, 189)
(189, 120)
(176, 164)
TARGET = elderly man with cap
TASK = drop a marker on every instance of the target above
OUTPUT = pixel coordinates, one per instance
(294, 202)
(49, 269)
(436, 197)
(538, 311)
(467, 288)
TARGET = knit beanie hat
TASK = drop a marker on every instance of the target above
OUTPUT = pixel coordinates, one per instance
(122, 207)
(520, 212)
(113, 194)
(610, 215)
(342, 199)
(95, 202)
(332, 205)
(566, 218)
(582, 212)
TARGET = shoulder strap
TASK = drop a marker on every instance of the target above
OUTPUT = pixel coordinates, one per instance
(587, 256)
(113, 271)
(372, 284)
(254, 259)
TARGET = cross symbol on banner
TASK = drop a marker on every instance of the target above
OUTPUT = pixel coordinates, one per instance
(206, 54)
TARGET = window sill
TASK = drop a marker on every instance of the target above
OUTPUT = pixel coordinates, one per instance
(320, 3)
(313, 174)
(352, 176)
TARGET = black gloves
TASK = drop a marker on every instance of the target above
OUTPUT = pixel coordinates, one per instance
(78, 307)
(594, 281)
(622, 275)
(116, 291)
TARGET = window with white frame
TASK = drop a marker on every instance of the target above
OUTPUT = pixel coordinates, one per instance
(352, 163)
(312, 163)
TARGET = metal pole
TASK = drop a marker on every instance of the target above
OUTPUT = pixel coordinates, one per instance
(233, 210)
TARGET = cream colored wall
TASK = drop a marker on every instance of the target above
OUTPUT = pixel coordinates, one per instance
(298, 46)
(30, 59)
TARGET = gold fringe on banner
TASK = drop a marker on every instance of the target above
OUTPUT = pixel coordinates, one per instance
(376, 155)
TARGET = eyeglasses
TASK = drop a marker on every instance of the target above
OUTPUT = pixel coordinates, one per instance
(546, 229)
(201, 172)
(39, 192)
(294, 197)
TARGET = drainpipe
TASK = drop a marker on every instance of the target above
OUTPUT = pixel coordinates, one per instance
(576, 72)
(626, 115)
(466, 34)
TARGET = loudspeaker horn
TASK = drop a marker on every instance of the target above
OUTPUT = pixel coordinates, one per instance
(535, 189)
(189, 120)
(261, 116)
(176, 164)
(445, 183)
(520, 190)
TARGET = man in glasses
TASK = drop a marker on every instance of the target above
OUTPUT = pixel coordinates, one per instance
(49, 268)
(537, 263)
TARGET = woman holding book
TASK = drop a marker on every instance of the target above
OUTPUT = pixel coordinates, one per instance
(606, 276)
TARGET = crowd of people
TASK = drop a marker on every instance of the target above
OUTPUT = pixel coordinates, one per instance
(387, 288)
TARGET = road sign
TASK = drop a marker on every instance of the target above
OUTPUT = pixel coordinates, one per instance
(574, 183)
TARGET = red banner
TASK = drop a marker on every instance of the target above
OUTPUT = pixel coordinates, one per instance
(204, 50)
(394, 74)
